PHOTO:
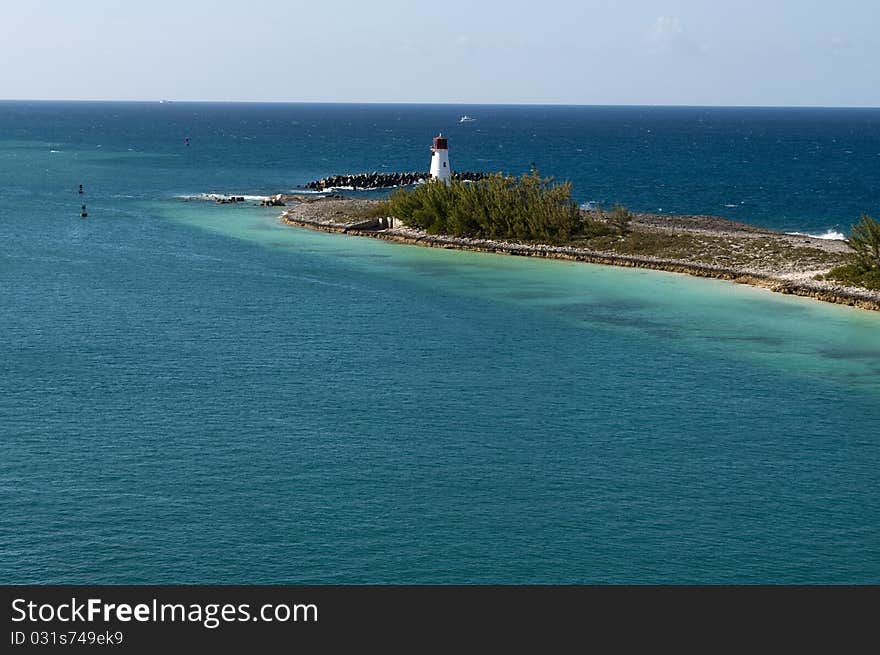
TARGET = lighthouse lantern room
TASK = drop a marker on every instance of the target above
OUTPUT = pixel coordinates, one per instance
(440, 159)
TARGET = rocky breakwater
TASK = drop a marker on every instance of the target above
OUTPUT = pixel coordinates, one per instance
(382, 180)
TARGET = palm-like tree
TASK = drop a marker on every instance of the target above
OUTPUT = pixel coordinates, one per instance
(865, 242)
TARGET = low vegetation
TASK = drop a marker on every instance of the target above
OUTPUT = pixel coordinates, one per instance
(864, 269)
(854, 275)
(620, 219)
(527, 208)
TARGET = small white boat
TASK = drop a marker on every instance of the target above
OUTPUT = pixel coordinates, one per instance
(466, 119)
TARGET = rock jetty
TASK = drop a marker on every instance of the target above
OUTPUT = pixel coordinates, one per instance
(382, 180)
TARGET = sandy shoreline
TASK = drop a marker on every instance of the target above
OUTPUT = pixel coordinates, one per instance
(717, 248)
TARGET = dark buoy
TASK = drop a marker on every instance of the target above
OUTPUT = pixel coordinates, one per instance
(84, 213)
(186, 140)
(80, 188)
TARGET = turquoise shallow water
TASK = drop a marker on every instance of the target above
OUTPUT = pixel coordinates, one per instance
(195, 393)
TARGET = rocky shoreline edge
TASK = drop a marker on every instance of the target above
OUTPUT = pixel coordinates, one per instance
(340, 215)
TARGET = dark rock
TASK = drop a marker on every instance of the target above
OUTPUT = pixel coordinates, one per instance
(376, 180)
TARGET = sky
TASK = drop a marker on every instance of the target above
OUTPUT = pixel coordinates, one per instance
(593, 52)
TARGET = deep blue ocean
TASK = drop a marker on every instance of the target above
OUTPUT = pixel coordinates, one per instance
(194, 393)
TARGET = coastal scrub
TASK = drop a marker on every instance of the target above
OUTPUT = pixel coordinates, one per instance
(864, 270)
(527, 208)
(865, 242)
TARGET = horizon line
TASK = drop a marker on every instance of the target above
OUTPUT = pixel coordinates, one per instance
(441, 103)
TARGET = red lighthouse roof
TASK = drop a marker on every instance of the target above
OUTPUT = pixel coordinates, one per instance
(440, 143)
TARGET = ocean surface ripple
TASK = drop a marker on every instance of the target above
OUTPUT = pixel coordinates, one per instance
(192, 392)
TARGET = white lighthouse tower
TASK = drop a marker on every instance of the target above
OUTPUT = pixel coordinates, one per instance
(440, 159)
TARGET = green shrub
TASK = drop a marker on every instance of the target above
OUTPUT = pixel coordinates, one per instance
(855, 275)
(528, 208)
(865, 242)
(379, 210)
(864, 271)
(620, 219)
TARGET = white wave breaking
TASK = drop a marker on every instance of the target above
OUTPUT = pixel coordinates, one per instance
(830, 235)
(221, 196)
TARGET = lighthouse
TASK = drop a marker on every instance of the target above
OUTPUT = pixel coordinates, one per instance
(440, 159)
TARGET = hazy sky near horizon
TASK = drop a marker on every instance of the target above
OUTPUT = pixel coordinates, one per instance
(679, 52)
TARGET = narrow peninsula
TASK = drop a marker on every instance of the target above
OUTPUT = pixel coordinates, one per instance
(705, 246)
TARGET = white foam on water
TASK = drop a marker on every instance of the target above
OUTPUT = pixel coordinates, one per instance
(220, 196)
(831, 235)
(307, 192)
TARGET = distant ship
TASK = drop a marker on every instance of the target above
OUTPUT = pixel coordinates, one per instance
(466, 119)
